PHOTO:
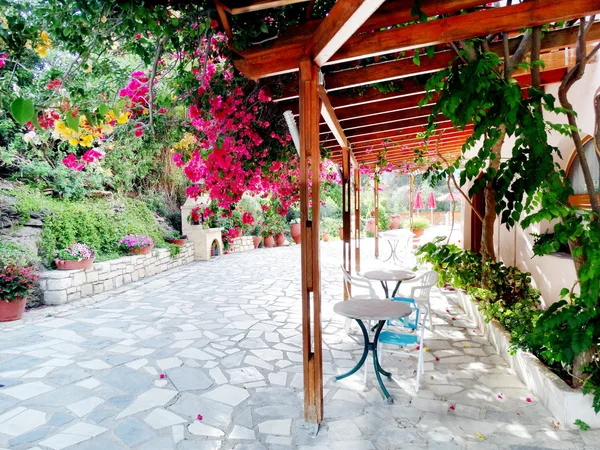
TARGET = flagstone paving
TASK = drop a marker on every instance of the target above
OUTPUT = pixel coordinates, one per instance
(226, 336)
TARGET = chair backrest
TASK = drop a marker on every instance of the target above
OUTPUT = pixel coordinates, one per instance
(428, 280)
(351, 281)
(410, 322)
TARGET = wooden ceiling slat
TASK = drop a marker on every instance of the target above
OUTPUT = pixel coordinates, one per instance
(332, 123)
(384, 118)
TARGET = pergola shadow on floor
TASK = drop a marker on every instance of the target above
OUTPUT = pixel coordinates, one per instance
(227, 335)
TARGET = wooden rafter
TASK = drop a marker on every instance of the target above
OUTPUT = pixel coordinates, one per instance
(344, 19)
(224, 20)
(332, 123)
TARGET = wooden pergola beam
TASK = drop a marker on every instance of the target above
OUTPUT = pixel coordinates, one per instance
(466, 26)
(403, 68)
(332, 123)
(342, 21)
(282, 58)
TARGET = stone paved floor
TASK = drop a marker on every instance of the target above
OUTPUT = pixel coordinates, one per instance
(226, 335)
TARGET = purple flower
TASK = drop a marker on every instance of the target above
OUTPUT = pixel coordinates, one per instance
(136, 241)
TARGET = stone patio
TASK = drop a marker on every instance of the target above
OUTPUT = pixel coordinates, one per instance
(226, 335)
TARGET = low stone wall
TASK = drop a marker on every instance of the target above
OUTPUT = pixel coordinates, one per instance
(63, 286)
(565, 403)
(242, 244)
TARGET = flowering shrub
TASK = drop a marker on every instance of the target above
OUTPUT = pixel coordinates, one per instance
(136, 241)
(195, 217)
(16, 282)
(175, 235)
(75, 252)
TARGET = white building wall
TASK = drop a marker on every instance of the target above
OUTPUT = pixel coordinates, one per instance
(549, 273)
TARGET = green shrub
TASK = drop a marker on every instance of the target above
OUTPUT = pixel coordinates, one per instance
(330, 225)
(16, 255)
(99, 223)
(418, 223)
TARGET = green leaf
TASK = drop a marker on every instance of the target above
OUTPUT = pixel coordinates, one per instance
(417, 58)
(72, 122)
(103, 109)
(22, 110)
(582, 425)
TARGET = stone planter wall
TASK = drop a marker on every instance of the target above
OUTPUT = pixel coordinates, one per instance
(64, 286)
(565, 403)
(242, 244)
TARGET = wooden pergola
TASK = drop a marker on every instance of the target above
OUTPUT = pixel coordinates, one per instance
(338, 60)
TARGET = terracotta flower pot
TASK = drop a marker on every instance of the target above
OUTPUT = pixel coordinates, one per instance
(65, 264)
(140, 250)
(418, 232)
(180, 242)
(325, 236)
(370, 228)
(296, 232)
(10, 311)
(395, 222)
(269, 242)
(341, 233)
(256, 241)
(240, 232)
(279, 239)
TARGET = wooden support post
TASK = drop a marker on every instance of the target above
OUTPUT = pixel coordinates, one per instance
(310, 109)
(346, 213)
(376, 203)
(357, 219)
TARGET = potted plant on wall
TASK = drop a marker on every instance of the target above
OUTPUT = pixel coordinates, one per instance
(137, 244)
(176, 238)
(295, 230)
(256, 237)
(15, 285)
(268, 239)
(75, 256)
(419, 225)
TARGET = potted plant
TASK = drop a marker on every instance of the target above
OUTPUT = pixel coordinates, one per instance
(15, 285)
(137, 244)
(370, 227)
(341, 233)
(279, 239)
(268, 239)
(395, 221)
(176, 238)
(325, 236)
(195, 216)
(256, 237)
(295, 230)
(418, 226)
(75, 256)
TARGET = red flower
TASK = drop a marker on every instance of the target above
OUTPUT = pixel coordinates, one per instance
(71, 162)
(54, 85)
(214, 24)
(452, 408)
(138, 132)
(247, 218)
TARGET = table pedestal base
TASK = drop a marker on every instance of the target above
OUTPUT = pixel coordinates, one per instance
(372, 346)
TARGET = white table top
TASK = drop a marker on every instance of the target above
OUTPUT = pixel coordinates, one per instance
(389, 275)
(372, 309)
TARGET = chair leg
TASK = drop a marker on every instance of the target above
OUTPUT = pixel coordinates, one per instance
(430, 315)
(419, 368)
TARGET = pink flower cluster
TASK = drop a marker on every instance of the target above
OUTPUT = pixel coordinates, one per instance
(76, 251)
(16, 282)
(72, 162)
(247, 218)
(136, 241)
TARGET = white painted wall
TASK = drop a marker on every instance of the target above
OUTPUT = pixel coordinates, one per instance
(553, 272)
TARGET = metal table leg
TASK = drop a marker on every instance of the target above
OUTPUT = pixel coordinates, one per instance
(373, 347)
(396, 288)
(385, 288)
(378, 369)
(363, 358)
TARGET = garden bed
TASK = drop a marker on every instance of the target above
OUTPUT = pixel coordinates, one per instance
(64, 286)
(564, 402)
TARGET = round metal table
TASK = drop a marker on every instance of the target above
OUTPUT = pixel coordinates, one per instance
(393, 238)
(385, 275)
(371, 309)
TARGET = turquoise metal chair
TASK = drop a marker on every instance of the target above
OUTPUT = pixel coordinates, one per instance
(407, 332)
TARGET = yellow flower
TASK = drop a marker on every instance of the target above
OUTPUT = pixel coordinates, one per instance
(88, 69)
(144, 111)
(103, 19)
(86, 140)
(123, 117)
(46, 39)
(43, 47)
(28, 44)
(73, 141)
(4, 22)
(41, 50)
(106, 128)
